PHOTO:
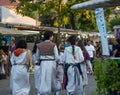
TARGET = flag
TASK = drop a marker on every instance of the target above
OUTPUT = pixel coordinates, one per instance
(99, 13)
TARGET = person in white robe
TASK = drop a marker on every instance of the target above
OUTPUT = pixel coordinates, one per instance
(60, 73)
(83, 64)
(47, 55)
(20, 61)
(36, 66)
(73, 56)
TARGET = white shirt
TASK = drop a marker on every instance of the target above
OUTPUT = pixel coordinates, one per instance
(21, 59)
(90, 49)
(69, 58)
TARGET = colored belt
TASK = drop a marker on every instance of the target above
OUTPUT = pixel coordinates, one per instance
(19, 64)
(37, 64)
(47, 59)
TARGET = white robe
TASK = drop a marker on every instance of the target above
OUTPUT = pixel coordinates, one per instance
(60, 70)
(73, 87)
(47, 79)
(84, 71)
(60, 73)
(19, 75)
(36, 71)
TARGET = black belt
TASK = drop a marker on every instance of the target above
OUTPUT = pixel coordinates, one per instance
(19, 64)
(73, 63)
(37, 64)
(47, 59)
(44, 60)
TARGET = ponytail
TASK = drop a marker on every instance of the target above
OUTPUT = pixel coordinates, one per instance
(73, 50)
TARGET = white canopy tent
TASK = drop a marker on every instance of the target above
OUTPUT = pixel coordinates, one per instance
(92, 4)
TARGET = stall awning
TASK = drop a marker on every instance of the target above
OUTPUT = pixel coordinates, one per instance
(92, 4)
(8, 31)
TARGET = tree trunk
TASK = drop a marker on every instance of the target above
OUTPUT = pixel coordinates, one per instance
(72, 21)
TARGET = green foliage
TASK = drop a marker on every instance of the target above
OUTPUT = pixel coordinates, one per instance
(47, 13)
(41, 10)
(115, 21)
(86, 20)
(107, 72)
(47, 19)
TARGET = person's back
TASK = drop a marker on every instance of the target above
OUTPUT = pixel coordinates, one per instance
(20, 61)
(46, 56)
(46, 48)
(69, 56)
(72, 57)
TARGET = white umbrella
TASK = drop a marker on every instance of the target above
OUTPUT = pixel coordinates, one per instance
(92, 4)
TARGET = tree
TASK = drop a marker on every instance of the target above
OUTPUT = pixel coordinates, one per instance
(47, 12)
(114, 22)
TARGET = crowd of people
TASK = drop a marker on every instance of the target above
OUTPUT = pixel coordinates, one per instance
(54, 68)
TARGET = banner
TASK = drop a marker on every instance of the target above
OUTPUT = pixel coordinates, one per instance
(99, 13)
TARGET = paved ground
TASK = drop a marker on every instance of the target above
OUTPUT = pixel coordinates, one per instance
(5, 89)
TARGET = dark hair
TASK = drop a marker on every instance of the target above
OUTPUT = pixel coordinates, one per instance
(48, 34)
(21, 43)
(118, 40)
(88, 40)
(72, 40)
(4, 39)
(81, 44)
(35, 46)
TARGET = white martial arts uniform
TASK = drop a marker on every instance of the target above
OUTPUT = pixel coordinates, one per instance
(74, 84)
(19, 75)
(47, 81)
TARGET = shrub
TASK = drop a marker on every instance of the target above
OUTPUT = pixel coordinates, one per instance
(107, 72)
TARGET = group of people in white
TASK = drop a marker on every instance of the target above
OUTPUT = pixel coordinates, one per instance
(51, 67)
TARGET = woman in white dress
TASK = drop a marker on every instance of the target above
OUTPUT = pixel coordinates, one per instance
(20, 61)
(73, 56)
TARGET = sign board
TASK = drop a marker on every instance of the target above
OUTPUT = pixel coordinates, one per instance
(99, 13)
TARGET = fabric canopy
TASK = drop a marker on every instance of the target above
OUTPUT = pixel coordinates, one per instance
(7, 31)
(92, 4)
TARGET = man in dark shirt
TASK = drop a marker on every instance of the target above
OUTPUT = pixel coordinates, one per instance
(116, 52)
